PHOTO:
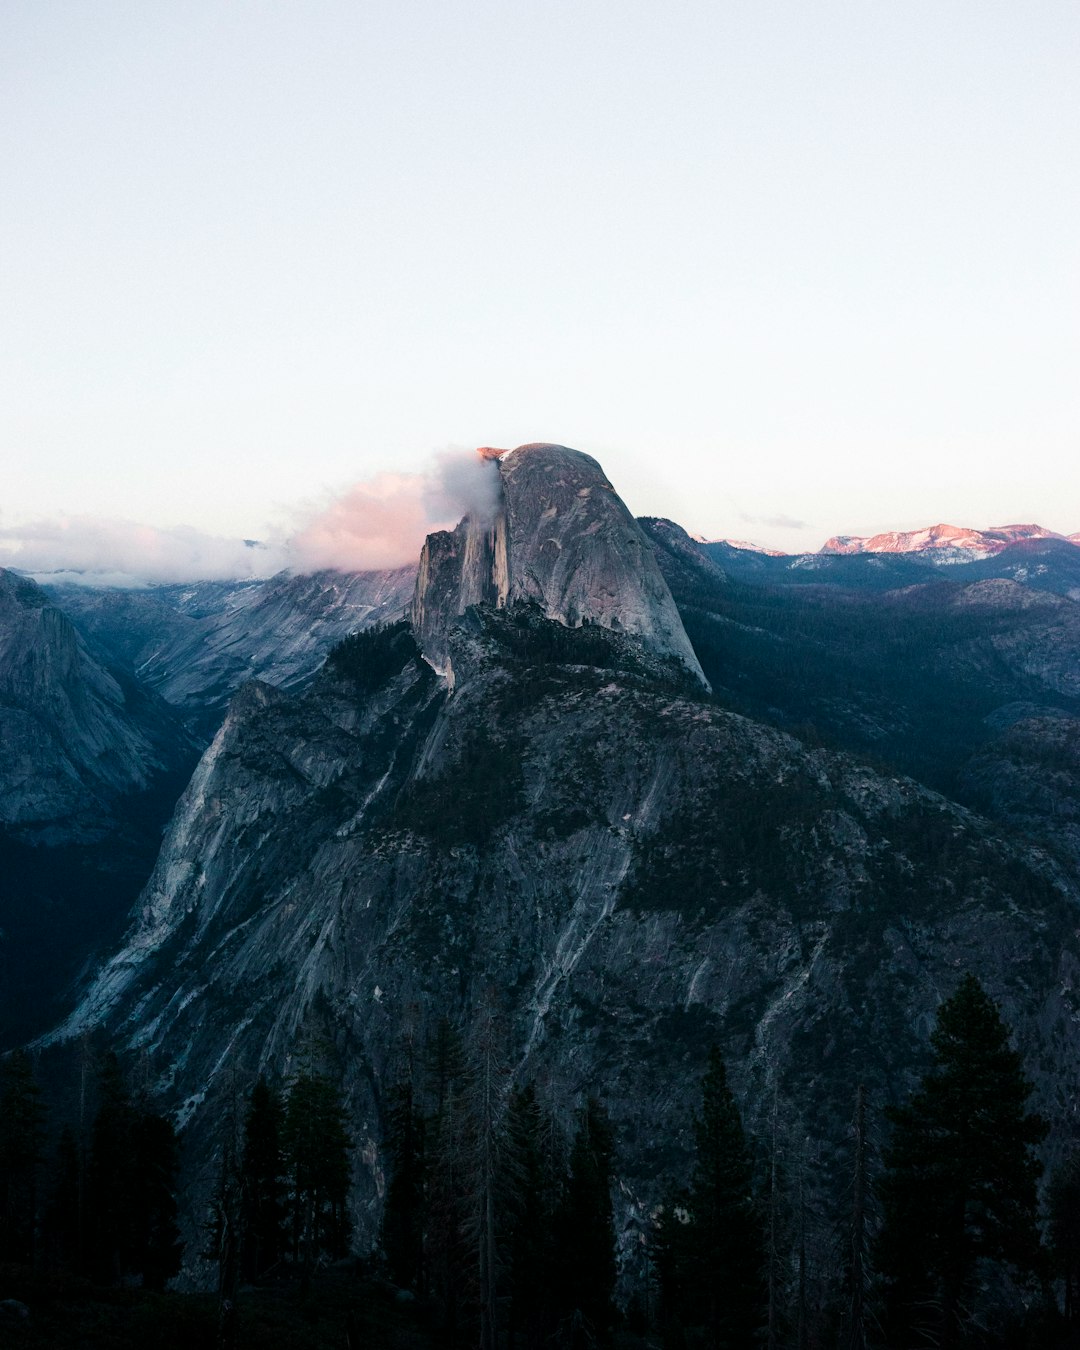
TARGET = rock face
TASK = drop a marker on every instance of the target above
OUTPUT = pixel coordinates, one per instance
(561, 539)
(73, 735)
(195, 645)
(635, 871)
(569, 828)
(941, 543)
(90, 765)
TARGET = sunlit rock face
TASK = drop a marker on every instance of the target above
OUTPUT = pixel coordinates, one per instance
(561, 538)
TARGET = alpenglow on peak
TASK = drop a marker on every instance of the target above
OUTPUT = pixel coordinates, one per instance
(561, 538)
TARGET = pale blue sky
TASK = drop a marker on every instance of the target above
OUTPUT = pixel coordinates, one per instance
(800, 261)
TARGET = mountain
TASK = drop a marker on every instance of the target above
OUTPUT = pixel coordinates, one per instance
(559, 537)
(1043, 562)
(90, 764)
(565, 828)
(969, 686)
(941, 543)
(195, 645)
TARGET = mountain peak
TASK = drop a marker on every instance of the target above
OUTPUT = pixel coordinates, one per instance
(940, 543)
(562, 539)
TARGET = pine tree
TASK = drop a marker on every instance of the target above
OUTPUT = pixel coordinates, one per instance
(671, 1258)
(157, 1247)
(485, 1168)
(317, 1146)
(448, 1267)
(134, 1160)
(404, 1210)
(1063, 1202)
(584, 1226)
(262, 1183)
(110, 1203)
(63, 1211)
(22, 1139)
(726, 1239)
(530, 1210)
(959, 1190)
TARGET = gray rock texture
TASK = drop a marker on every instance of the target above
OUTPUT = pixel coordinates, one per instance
(74, 737)
(195, 645)
(561, 539)
(629, 872)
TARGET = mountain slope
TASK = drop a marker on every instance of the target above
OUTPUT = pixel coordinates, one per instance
(90, 765)
(571, 830)
(941, 544)
(634, 871)
(196, 645)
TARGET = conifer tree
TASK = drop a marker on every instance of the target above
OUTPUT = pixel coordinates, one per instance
(317, 1146)
(262, 1182)
(22, 1139)
(530, 1207)
(447, 1262)
(110, 1203)
(959, 1190)
(63, 1211)
(670, 1258)
(404, 1210)
(726, 1270)
(1063, 1202)
(584, 1274)
(134, 1159)
(155, 1164)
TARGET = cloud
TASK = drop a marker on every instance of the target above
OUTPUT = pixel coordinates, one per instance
(121, 552)
(382, 522)
(377, 523)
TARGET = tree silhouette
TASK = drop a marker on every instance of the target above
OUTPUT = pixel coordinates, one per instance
(317, 1148)
(134, 1159)
(1063, 1202)
(262, 1181)
(402, 1236)
(959, 1190)
(725, 1240)
(584, 1226)
(22, 1138)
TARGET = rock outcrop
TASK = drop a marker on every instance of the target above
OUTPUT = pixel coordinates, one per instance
(195, 645)
(74, 736)
(562, 539)
(91, 763)
(637, 873)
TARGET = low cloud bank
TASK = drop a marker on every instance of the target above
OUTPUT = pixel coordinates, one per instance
(378, 523)
(382, 522)
(120, 552)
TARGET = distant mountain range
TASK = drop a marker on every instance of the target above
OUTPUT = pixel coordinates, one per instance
(639, 793)
(938, 544)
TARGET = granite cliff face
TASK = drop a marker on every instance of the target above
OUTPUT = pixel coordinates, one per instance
(91, 763)
(195, 645)
(74, 736)
(560, 538)
(635, 872)
(571, 828)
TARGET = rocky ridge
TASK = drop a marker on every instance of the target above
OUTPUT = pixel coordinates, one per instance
(91, 763)
(941, 543)
(195, 645)
(560, 538)
(636, 870)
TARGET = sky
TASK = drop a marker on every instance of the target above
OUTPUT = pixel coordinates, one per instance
(786, 269)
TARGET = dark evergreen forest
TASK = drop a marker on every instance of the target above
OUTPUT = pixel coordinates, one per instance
(499, 1229)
